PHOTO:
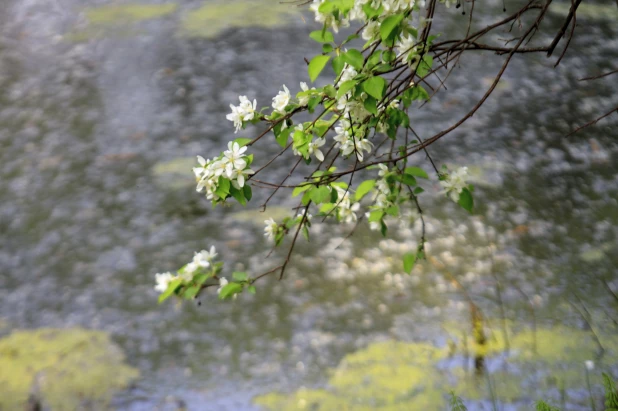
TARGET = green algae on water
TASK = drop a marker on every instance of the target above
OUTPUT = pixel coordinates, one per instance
(64, 367)
(128, 13)
(214, 17)
(385, 376)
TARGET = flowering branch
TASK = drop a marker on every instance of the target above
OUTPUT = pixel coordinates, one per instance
(382, 72)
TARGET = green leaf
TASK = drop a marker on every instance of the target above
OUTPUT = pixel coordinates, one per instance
(201, 278)
(247, 191)
(418, 190)
(239, 195)
(354, 58)
(465, 200)
(327, 7)
(282, 136)
(171, 288)
(416, 172)
(375, 215)
(345, 87)
(408, 262)
(316, 66)
(301, 189)
(251, 289)
(327, 48)
(424, 66)
(414, 93)
(322, 36)
(242, 141)
(389, 26)
(313, 102)
(306, 197)
(408, 180)
(338, 64)
(320, 194)
(240, 276)
(375, 87)
(371, 105)
(223, 187)
(388, 56)
(191, 292)
(371, 12)
(392, 211)
(363, 188)
(229, 290)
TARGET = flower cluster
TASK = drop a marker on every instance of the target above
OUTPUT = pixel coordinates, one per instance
(455, 182)
(271, 229)
(329, 19)
(243, 112)
(281, 100)
(346, 210)
(201, 261)
(352, 139)
(233, 164)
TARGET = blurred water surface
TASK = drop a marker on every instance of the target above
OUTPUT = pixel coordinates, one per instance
(103, 105)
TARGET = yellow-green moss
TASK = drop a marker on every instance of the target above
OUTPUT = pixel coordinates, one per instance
(554, 345)
(128, 13)
(65, 367)
(407, 376)
(385, 376)
(213, 17)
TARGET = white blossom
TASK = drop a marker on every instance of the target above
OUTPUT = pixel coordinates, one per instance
(239, 178)
(222, 283)
(406, 47)
(455, 182)
(163, 281)
(327, 18)
(371, 31)
(304, 100)
(281, 100)
(243, 112)
(373, 225)
(271, 228)
(348, 73)
(314, 148)
(589, 365)
(347, 210)
(349, 144)
(233, 158)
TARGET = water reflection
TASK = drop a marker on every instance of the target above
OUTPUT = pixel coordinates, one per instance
(93, 120)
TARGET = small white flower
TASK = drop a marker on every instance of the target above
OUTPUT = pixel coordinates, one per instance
(309, 216)
(383, 170)
(222, 283)
(234, 155)
(281, 100)
(589, 365)
(241, 177)
(406, 47)
(271, 228)
(455, 182)
(314, 148)
(209, 255)
(243, 112)
(348, 73)
(372, 30)
(203, 258)
(304, 100)
(163, 281)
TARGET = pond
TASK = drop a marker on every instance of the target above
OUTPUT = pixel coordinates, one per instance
(103, 107)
